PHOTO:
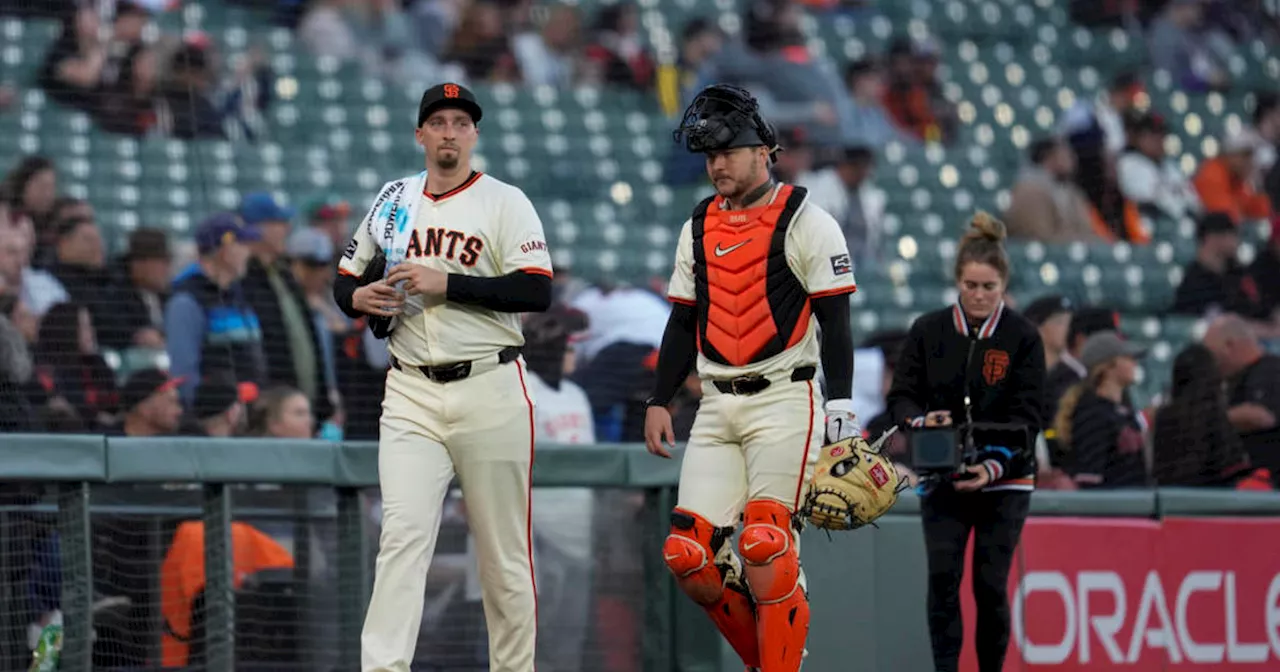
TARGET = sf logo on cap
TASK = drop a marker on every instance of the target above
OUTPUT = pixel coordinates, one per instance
(451, 91)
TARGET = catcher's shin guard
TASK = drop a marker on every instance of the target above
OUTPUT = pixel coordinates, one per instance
(773, 575)
(707, 571)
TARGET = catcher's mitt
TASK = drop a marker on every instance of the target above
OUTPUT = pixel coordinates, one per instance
(853, 485)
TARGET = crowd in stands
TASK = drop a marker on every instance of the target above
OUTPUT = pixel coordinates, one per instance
(251, 309)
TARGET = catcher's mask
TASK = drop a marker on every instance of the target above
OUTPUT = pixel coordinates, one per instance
(724, 116)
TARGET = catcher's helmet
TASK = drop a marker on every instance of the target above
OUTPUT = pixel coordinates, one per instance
(723, 116)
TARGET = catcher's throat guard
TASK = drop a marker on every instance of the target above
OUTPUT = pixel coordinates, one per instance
(722, 117)
(853, 484)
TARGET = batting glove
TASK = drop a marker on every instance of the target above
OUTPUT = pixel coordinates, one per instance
(842, 422)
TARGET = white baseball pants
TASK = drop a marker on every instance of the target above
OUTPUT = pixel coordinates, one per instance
(480, 429)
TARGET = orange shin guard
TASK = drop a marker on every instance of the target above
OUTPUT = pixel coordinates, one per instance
(707, 571)
(773, 574)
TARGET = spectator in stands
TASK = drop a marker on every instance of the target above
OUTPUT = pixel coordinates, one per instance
(312, 265)
(618, 52)
(150, 404)
(846, 191)
(1253, 387)
(1148, 176)
(866, 122)
(1052, 316)
(700, 42)
(1178, 46)
(1265, 269)
(548, 56)
(1045, 203)
(37, 289)
(31, 188)
(184, 103)
(139, 289)
(16, 368)
(1107, 111)
(378, 34)
(562, 517)
(1228, 183)
(1101, 436)
(331, 214)
(194, 100)
(217, 410)
(1085, 322)
(1114, 217)
(1194, 444)
(209, 326)
(796, 158)
(64, 208)
(1215, 281)
(127, 105)
(80, 265)
(289, 340)
(914, 98)
(433, 23)
(282, 412)
(72, 69)
(481, 46)
(70, 368)
(793, 86)
(1266, 120)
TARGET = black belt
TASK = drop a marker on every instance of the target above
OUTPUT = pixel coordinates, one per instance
(447, 373)
(755, 383)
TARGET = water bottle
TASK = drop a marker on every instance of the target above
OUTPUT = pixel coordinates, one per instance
(48, 648)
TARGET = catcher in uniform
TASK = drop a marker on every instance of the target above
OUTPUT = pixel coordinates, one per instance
(755, 265)
(443, 264)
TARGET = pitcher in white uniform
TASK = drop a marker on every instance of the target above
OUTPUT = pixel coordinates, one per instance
(444, 263)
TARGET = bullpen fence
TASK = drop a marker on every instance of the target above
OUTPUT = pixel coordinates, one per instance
(130, 539)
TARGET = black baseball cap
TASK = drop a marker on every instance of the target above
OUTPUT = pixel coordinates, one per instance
(1089, 321)
(1213, 223)
(214, 395)
(1046, 307)
(442, 96)
(142, 384)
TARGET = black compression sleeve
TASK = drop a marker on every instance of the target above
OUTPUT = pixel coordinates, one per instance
(518, 292)
(677, 354)
(837, 344)
(344, 290)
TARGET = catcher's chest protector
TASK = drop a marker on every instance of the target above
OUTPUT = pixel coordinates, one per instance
(750, 305)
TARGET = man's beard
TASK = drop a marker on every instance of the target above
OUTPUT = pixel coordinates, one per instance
(448, 162)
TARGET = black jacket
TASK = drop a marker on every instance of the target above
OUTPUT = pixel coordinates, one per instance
(1005, 379)
(262, 298)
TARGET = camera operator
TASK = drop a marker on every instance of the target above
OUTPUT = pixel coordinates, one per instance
(974, 362)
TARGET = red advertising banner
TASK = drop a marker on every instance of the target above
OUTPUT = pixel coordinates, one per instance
(1139, 595)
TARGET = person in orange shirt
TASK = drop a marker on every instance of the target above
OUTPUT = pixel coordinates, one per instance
(1226, 183)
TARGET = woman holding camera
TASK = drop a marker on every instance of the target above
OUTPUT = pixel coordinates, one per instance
(974, 362)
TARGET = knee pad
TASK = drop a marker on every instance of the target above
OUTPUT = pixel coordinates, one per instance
(768, 548)
(695, 552)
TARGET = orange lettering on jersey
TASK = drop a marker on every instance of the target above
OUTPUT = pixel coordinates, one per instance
(754, 306)
(446, 243)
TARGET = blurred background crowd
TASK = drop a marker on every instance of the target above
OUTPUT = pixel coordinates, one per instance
(1129, 145)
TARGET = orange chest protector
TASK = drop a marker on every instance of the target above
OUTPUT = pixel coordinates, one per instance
(750, 305)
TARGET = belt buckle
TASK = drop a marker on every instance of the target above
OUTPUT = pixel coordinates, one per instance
(449, 372)
(744, 380)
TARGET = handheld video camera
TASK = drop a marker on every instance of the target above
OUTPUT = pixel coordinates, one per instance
(947, 450)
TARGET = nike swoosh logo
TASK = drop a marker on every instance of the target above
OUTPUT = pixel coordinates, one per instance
(721, 252)
(750, 545)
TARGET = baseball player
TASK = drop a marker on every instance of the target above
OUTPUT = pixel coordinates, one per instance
(754, 266)
(445, 261)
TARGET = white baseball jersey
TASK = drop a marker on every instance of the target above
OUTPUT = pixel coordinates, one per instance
(562, 516)
(485, 227)
(816, 253)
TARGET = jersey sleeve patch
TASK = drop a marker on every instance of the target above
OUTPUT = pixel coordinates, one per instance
(350, 252)
(841, 264)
